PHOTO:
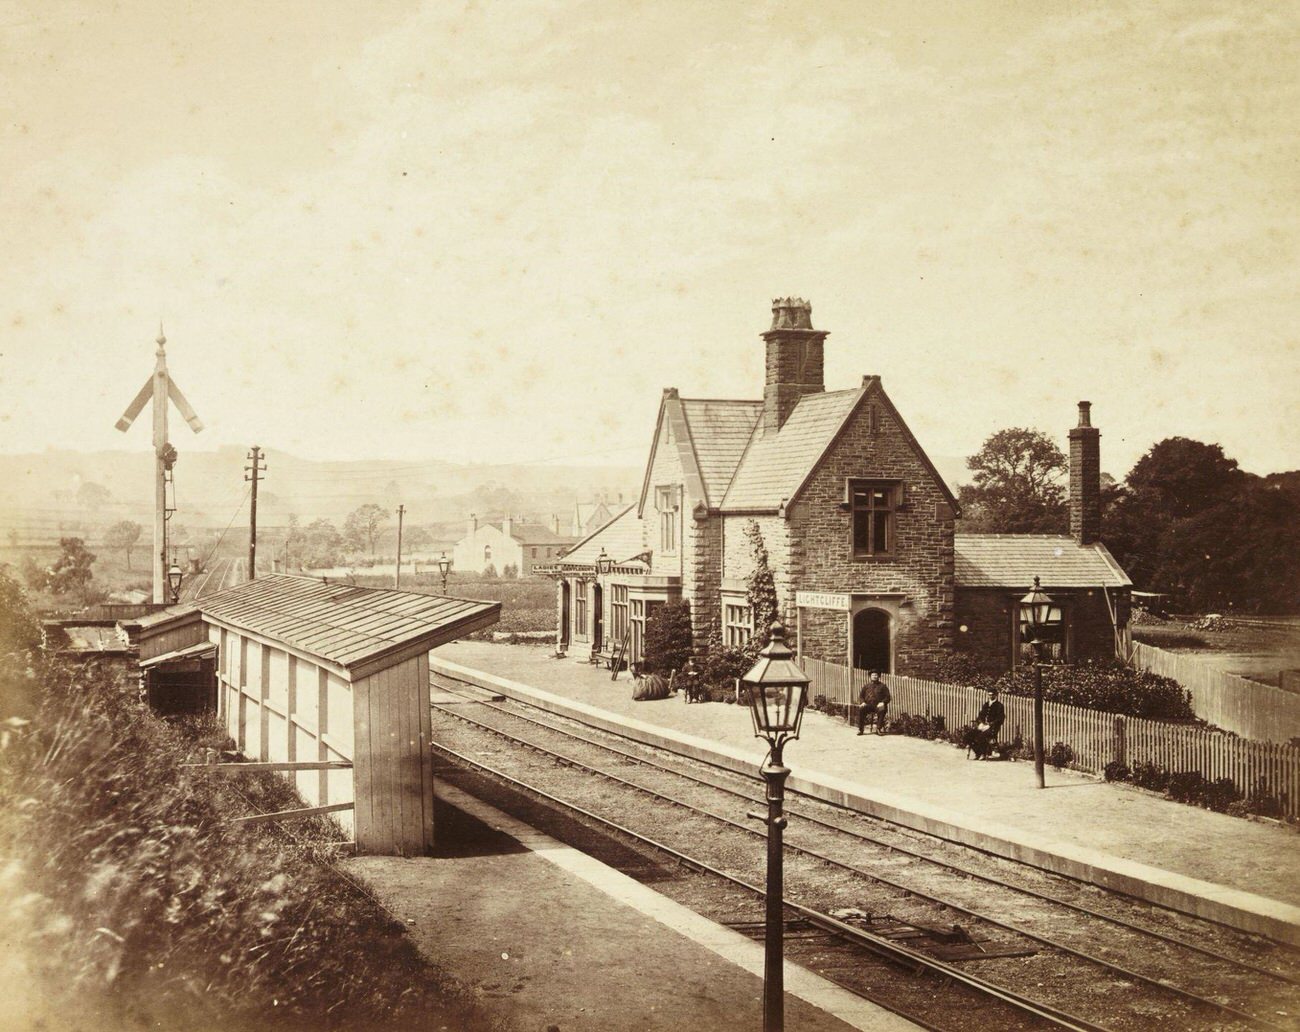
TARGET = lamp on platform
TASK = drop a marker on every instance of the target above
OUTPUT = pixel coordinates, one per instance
(1040, 618)
(777, 691)
(444, 568)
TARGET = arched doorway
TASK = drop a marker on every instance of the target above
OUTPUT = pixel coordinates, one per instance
(871, 649)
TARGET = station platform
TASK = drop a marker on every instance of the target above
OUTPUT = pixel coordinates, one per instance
(1243, 873)
(549, 938)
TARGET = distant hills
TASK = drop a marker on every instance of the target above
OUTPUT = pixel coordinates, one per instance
(45, 493)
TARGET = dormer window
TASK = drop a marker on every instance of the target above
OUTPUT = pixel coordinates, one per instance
(872, 506)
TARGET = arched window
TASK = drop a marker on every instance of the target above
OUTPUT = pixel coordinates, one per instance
(487, 553)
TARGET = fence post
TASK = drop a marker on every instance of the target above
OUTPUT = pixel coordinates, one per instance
(1121, 741)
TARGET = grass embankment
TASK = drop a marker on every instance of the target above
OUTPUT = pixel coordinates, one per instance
(130, 902)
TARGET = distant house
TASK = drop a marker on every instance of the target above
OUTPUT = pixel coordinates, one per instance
(588, 517)
(508, 542)
(859, 527)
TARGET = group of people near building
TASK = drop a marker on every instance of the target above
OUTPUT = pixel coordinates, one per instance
(873, 708)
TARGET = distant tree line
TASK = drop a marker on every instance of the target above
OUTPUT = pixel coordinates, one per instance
(1186, 521)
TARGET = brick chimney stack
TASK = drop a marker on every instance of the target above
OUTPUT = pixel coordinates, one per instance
(1085, 479)
(794, 360)
(471, 524)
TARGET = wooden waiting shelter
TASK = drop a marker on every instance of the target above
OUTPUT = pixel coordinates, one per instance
(311, 671)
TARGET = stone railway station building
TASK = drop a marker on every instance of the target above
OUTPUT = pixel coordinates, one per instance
(859, 527)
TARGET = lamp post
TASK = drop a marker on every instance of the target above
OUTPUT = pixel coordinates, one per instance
(604, 563)
(444, 568)
(776, 690)
(174, 577)
(1038, 613)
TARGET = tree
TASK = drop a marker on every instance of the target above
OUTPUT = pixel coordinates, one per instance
(71, 572)
(320, 545)
(510, 571)
(363, 524)
(93, 496)
(123, 534)
(760, 589)
(415, 537)
(1016, 487)
(1192, 525)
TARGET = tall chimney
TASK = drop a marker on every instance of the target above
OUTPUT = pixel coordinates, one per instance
(1085, 478)
(471, 525)
(794, 360)
(506, 523)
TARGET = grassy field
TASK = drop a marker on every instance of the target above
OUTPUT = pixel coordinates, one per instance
(527, 604)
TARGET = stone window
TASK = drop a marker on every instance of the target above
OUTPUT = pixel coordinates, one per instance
(666, 505)
(618, 611)
(487, 553)
(580, 609)
(737, 624)
(872, 505)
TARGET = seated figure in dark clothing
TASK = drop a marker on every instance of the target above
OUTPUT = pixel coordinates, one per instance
(988, 722)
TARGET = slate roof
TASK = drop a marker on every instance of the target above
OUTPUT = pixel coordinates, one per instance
(1014, 560)
(620, 538)
(775, 465)
(343, 623)
(719, 430)
(534, 534)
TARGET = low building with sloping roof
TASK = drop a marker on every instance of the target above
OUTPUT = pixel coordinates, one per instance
(508, 542)
(857, 523)
(307, 673)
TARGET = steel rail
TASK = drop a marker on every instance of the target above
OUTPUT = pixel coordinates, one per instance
(891, 951)
(1107, 965)
(915, 854)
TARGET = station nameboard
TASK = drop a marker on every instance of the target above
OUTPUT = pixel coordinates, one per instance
(821, 600)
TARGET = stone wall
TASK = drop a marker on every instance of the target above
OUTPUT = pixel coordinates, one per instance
(920, 566)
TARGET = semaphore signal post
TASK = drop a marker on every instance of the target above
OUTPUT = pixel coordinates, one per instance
(158, 389)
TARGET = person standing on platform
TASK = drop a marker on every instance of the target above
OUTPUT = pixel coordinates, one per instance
(873, 702)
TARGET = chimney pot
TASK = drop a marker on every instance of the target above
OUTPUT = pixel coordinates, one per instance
(791, 313)
(1085, 413)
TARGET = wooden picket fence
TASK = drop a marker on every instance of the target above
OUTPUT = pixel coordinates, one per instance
(1096, 737)
(1248, 708)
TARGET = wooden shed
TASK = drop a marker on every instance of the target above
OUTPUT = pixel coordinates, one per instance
(311, 671)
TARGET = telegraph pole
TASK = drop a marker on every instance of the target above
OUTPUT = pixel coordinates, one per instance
(397, 574)
(251, 473)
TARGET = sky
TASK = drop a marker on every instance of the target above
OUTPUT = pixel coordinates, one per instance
(495, 232)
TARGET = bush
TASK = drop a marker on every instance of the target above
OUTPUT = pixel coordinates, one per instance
(1100, 685)
(668, 638)
(915, 726)
(510, 571)
(1060, 755)
(490, 571)
(1116, 770)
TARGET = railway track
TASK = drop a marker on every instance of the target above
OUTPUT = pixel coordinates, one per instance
(1040, 930)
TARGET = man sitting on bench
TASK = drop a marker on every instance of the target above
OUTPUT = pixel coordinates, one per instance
(988, 722)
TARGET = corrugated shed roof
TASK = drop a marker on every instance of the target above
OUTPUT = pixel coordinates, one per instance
(776, 464)
(1014, 560)
(620, 538)
(719, 430)
(344, 623)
